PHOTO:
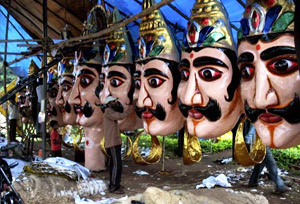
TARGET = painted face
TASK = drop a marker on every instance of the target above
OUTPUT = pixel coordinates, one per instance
(271, 89)
(117, 82)
(211, 109)
(137, 81)
(160, 115)
(64, 91)
(53, 111)
(83, 97)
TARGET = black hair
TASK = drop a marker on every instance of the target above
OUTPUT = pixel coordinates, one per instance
(267, 37)
(173, 66)
(52, 123)
(236, 74)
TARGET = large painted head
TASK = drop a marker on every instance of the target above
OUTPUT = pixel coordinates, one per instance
(65, 83)
(157, 103)
(84, 96)
(270, 72)
(117, 76)
(209, 89)
(53, 111)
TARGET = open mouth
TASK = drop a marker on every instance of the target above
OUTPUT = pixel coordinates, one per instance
(147, 115)
(195, 114)
(78, 110)
(270, 118)
(62, 110)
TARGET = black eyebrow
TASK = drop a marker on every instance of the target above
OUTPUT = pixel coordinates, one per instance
(153, 71)
(246, 57)
(66, 82)
(85, 71)
(277, 51)
(184, 63)
(115, 73)
(204, 61)
(137, 74)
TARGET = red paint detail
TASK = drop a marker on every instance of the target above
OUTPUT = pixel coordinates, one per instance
(192, 34)
(270, 118)
(205, 21)
(255, 19)
(271, 130)
(258, 47)
(147, 115)
(248, 9)
(148, 38)
(87, 142)
(269, 2)
(191, 55)
(112, 46)
(195, 114)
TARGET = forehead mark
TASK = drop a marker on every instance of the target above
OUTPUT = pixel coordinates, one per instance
(258, 47)
(191, 55)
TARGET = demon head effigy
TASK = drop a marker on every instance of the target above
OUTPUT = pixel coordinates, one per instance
(270, 73)
(84, 96)
(158, 58)
(209, 90)
(65, 83)
(117, 73)
(53, 111)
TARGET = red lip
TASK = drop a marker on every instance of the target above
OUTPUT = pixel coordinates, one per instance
(195, 114)
(62, 110)
(270, 118)
(147, 115)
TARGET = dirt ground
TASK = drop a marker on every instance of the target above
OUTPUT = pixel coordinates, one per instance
(180, 177)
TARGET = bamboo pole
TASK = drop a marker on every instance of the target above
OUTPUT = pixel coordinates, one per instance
(4, 72)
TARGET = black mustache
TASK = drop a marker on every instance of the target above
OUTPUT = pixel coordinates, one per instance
(118, 107)
(87, 110)
(291, 113)
(53, 111)
(67, 107)
(212, 111)
(159, 112)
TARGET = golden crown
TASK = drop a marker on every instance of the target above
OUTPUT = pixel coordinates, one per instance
(118, 48)
(267, 16)
(156, 39)
(33, 68)
(209, 26)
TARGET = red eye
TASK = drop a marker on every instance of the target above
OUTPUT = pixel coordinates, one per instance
(137, 84)
(247, 72)
(116, 82)
(283, 66)
(155, 82)
(86, 80)
(210, 74)
(185, 73)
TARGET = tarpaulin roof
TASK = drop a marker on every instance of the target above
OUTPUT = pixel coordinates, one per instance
(27, 18)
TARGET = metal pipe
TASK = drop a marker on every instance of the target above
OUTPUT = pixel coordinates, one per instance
(44, 95)
(4, 72)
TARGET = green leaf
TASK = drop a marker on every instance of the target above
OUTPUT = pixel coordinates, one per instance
(117, 57)
(213, 38)
(283, 22)
(240, 34)
(156, 50)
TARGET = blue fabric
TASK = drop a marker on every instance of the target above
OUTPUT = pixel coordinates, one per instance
(271, 16)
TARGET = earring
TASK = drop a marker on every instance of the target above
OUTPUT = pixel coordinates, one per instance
(191, 149)
(241, 154)
(128, 153)
(154, 155)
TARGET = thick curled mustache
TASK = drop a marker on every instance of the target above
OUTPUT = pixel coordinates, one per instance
(53, 112)
(118, 107)
(211, 111)
(87, 109)
(159, 112)
(67, 107)
(291, 113)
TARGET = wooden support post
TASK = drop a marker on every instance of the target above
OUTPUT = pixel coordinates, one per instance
(163, 154)
(4, 72)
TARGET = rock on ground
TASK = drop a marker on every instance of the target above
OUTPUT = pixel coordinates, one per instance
(155, 195)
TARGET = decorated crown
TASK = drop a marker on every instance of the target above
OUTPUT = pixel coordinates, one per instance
(156, 40)
(118, 48)
(52, 71)
(95, 22)
(267, 16)
(33, 68)
(209, 26)
(65, 67)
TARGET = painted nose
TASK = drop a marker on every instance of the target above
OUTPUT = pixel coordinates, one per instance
(192, 92)
(74, 98)
(59, 99)
(105, 93)
(265, 94)
(144, 99)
